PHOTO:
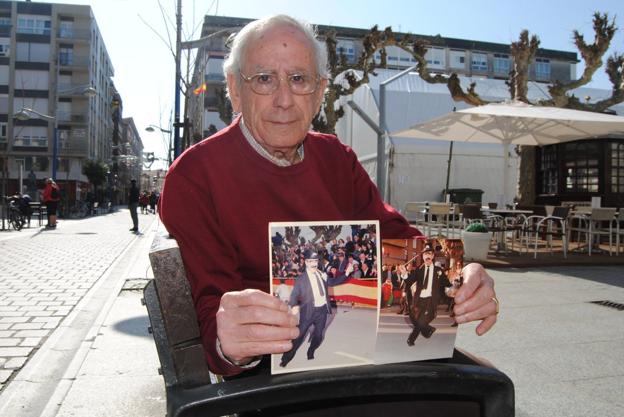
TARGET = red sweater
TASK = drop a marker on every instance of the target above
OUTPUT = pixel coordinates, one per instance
(220, 195)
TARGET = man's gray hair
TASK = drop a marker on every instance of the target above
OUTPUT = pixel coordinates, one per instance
(241, 40)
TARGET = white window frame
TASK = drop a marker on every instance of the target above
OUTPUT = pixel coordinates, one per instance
(347, 48)
(33, 24)
(542, 68)
(501, 64)
(435, 57)
(457, 59)
(33, 136)
(479, 62)
(5, 47)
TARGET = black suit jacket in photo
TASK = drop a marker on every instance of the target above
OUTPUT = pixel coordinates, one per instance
(303, 296)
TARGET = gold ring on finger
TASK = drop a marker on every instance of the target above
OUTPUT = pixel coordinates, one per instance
(497, 304)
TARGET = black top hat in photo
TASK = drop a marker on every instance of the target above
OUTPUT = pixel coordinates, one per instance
(310, 254)
(428, 248)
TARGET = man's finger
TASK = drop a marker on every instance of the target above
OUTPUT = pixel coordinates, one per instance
(475, 276)
(479, 298)
(486, 324)
(479, 311)
(252, 297)
(244, 350)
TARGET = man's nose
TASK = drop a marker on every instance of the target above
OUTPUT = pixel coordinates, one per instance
(283, 97)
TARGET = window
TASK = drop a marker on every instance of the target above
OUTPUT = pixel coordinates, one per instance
(31, 80)
(542, 68)
(4, 103)
(435, 57)
(38, 104)
(33, 52)
(36, 163)
(66, 29)
(548, 170)
(5, 21)
(581, 164)
(502, 64)
(3, 132)
(346, 48)
(66, 55)
(33, 136)
(617, 167)
(5, 47)
(458, 59)
(37, 25)
(479, 62)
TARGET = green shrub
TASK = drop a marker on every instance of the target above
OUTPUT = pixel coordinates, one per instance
(477, 227)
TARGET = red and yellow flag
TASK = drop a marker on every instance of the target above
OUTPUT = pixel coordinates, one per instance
(200, 89)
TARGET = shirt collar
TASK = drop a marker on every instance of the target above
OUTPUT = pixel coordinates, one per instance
(263, 152)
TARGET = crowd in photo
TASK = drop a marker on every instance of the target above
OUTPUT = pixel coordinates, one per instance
(336, 250)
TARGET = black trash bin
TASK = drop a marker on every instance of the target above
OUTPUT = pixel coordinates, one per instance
(465, 195)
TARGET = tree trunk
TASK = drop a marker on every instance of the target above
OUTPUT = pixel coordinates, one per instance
(526, 176)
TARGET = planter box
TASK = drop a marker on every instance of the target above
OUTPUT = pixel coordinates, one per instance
(476, 245)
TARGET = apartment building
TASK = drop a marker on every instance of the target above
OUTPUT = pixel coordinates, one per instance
(468, 58)
(56, 90)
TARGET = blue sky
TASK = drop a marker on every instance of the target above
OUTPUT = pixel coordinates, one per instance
(144, 67)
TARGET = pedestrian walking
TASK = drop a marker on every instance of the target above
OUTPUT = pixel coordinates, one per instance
(51, 196)
(133, 204)
(153, 200)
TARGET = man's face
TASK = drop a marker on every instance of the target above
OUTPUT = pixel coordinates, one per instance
(278, 121)
(428, 257)
(311, 263)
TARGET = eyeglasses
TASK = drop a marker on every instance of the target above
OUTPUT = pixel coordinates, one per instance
(266, 83)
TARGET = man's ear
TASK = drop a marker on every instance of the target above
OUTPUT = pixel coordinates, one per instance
(232, 83)
(321, 93)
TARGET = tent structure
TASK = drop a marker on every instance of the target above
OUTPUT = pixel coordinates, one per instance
(516, 123)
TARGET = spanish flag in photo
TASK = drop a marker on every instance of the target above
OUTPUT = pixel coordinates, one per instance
(200, 89)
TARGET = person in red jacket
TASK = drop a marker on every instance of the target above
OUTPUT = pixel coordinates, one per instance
(51, 196)
(220, 195)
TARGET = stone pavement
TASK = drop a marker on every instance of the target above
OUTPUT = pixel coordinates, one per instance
(53, 285)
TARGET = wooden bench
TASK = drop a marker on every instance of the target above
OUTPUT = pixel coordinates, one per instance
(460, 386)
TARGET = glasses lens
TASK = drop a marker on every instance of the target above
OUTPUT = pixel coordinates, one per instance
(267, 83)
(302, 83)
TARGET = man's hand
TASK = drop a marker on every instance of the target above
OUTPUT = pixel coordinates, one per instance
(251, 323)
(475, 299)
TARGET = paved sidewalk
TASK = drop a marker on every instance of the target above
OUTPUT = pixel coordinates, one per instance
(53, 285)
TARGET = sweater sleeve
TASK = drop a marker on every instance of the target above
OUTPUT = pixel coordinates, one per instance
(187, 211)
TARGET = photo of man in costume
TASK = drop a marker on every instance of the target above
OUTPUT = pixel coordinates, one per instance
(423, 295)
(310, 296)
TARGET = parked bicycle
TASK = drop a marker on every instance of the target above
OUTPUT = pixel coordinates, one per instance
(16, 217)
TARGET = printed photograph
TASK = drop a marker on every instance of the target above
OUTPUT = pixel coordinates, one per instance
(328, 274)
(419, 278)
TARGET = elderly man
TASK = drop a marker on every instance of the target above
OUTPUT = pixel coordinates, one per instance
(220, 195)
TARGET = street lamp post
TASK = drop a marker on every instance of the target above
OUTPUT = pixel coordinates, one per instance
(153, 128)
(27, 113)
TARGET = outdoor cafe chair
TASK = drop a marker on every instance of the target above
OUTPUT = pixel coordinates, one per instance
(619, 230)
(470, 213)
(415, 211)
(439, 217)
(592, 226)
(555, 225)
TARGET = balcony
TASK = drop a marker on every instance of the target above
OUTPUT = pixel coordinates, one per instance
(73, 61)
(72, 117)
(73, 90)
(30, 142)
(66, 34)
